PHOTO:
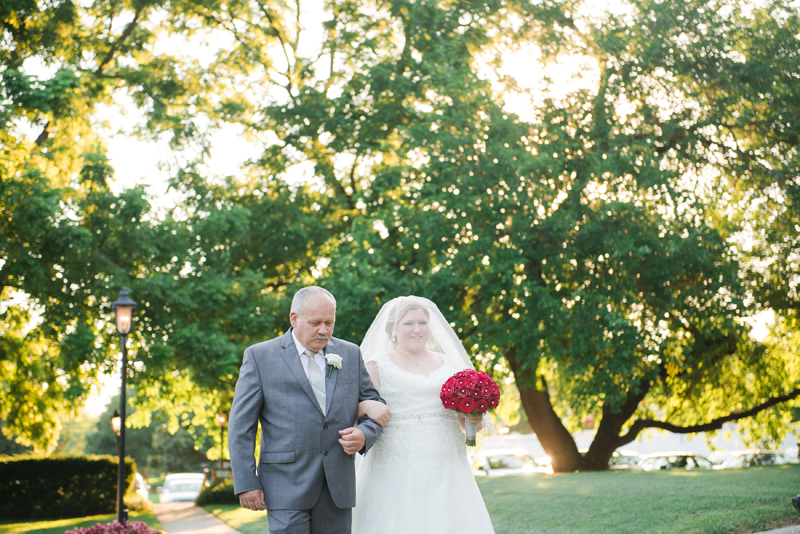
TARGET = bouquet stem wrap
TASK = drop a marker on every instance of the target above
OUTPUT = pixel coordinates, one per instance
(471, 430)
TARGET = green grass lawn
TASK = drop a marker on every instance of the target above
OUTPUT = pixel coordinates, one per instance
(736, 501)
(241, 519)
(697, 502)
(59, 526)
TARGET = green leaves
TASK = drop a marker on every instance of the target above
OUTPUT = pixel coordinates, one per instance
(606, 251)
(591, 248)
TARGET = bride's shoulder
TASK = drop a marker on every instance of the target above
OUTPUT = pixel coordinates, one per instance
(376, 365)
(377, 359)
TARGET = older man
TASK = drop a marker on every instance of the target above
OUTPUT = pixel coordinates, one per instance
(305, 388)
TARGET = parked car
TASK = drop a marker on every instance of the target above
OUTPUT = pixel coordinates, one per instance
(181, 487)
(621, 459)
(142, 489)
(624, 459)
(754, 458)
(719, 456)
(673, 460)
(504, 462)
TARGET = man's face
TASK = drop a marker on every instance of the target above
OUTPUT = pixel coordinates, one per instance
(314, 326)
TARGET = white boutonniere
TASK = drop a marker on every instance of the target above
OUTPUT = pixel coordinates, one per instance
(334, 360)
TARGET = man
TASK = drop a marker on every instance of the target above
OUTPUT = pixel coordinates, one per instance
(307, 407)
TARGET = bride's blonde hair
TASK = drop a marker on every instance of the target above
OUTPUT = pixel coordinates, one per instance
(403, 306)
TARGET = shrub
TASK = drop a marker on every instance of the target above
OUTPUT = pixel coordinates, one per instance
(220, 492)
(60, 487)
(134, 502)
(115, 528)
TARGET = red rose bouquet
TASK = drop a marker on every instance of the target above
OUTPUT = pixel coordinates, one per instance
(470, 392)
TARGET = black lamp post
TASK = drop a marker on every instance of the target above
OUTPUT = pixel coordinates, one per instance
(222, 421)
(123, 314)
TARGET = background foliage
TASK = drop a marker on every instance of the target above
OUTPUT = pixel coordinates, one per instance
(605, 244)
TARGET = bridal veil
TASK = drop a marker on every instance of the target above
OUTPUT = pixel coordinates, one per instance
(443, 339)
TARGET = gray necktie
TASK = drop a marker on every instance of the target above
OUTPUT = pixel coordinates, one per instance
(316, 379)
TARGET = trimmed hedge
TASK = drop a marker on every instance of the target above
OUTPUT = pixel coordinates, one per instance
(61, 487)
(220, 492)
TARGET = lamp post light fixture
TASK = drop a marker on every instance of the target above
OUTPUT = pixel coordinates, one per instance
(222, 422)
(115, 426)
(123, 316)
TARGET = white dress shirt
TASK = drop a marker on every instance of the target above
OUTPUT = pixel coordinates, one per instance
(301, 350)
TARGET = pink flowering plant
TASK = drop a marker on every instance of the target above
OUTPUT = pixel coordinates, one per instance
(115, 527)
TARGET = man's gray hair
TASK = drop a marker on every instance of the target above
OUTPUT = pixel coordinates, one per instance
(301, 296)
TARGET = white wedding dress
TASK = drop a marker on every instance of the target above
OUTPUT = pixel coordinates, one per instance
(416, 479)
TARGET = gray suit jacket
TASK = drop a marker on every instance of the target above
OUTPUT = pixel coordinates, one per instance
(298, 443)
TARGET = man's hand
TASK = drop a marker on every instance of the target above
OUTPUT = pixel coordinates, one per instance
(377, 411)
(252, 500)
(352, 440)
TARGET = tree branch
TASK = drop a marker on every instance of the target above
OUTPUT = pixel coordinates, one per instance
(125, 34)
(353, 176)
(716, 424)
(239, 38)
(279, 35)
(296, 46)
(44, 135)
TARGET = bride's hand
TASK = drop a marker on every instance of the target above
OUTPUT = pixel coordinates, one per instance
(377, 411)
(477, 419)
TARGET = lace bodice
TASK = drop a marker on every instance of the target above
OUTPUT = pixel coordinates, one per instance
(409, 394)
(421, 427)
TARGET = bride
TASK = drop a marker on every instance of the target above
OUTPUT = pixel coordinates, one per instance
(416, 478)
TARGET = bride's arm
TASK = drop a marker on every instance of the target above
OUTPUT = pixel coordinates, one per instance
(377, 411)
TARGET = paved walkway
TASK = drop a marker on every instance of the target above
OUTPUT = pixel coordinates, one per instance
(182, 517)
(788, 530)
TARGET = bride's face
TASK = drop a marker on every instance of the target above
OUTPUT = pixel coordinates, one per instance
(412, 330)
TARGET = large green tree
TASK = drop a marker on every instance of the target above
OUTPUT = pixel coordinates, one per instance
(597, 248)
(606, 246)
(208, 273)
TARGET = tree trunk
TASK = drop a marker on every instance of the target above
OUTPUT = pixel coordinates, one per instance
(555, 439)
(607, 438)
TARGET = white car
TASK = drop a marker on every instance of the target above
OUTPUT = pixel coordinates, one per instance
(756, 458)
(673, 460)
(624, 460)
(181, 487)
(503, 462)
(621, 459)
(142, 489)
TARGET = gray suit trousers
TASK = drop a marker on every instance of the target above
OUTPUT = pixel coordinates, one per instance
(324, 518)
